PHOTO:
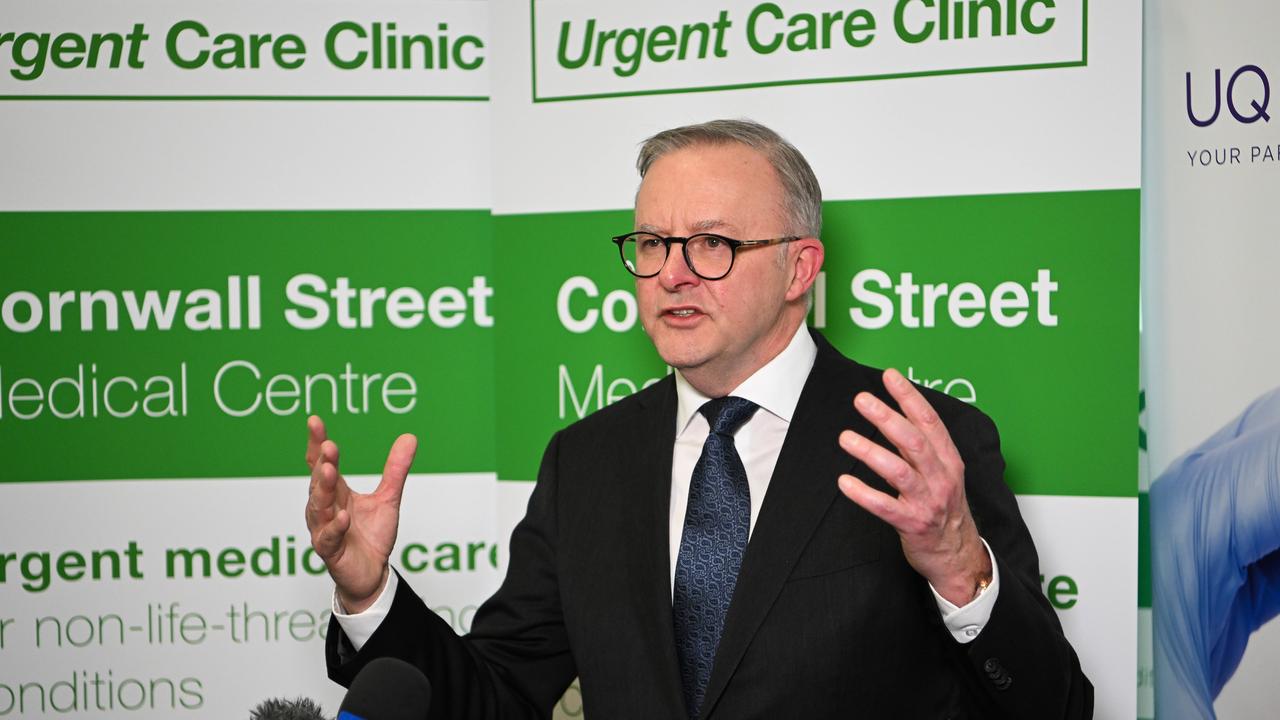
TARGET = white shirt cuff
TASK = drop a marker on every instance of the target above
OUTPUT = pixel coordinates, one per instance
(359, 627)
(966, 622)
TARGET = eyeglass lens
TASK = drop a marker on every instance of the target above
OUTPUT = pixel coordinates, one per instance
(709, 255)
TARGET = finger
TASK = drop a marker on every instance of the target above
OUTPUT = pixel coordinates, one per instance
(921, 414)
(905, 436)
(327, 453)
(329, 492)
(882, 505)
(399, 460)
(327, 540)
(315, 436)
(884, 463)
(321, 501)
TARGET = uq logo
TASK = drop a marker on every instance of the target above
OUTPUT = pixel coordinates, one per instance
(1256, 92)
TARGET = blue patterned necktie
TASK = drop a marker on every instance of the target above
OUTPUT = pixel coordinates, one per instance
(714, 540)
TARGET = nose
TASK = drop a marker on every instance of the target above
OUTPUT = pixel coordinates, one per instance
(676, 273)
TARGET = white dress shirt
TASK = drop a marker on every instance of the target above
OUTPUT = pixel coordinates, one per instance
(775, 388)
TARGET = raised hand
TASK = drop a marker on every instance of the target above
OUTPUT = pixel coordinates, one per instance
(353, 532)
(930, 513)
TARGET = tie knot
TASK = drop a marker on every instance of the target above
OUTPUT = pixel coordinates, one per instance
(727, 414)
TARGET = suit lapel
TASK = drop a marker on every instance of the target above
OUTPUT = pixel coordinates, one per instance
(803, 486)
(651, 479)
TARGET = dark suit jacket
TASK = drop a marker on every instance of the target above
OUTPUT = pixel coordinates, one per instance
(827, 619)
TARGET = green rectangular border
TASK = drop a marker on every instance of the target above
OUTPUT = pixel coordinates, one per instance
(533, 64)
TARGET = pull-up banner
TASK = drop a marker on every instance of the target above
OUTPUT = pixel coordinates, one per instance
(218, 219)
(980, 167)
(1210, 358)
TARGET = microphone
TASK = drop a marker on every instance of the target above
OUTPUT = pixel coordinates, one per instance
(277, 709)
(387, 689)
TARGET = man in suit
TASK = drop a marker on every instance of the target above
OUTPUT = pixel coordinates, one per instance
(773, 530)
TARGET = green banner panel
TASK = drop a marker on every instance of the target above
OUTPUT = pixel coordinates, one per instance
(1024, 304)
(1051, 355)
(194, 344)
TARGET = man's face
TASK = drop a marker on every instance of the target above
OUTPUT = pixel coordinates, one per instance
(717, 332)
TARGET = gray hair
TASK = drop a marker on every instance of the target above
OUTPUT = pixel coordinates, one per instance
(802, 197)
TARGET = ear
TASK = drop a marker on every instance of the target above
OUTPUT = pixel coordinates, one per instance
(806, 255)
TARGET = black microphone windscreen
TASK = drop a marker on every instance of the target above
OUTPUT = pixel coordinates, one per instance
(387, 689)
(277, 709)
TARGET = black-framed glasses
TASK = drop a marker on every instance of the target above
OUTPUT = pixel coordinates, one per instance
(708, 255)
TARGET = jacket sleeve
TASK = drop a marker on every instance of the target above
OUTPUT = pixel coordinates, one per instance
(515, 663)
(1022, 663)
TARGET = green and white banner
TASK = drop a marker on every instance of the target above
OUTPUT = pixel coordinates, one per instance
(220, 218)
(981, 172)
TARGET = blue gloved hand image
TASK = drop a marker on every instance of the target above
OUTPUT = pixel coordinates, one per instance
(1215, 565)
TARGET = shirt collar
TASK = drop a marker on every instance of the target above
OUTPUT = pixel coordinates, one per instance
(775, 387)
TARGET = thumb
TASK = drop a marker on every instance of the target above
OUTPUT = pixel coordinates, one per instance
(399, 461)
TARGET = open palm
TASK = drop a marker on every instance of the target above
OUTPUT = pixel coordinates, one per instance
(353, 533)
